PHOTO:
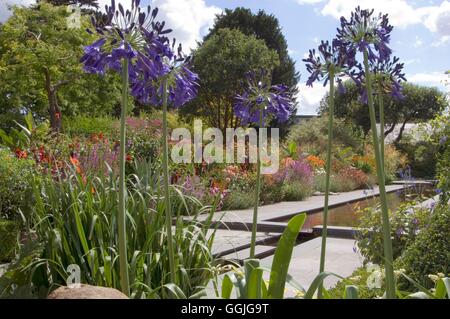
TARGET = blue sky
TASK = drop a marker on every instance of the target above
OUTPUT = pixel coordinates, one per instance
(421, 37)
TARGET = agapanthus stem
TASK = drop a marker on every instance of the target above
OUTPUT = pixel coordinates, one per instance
(387, 243)
(381, 110)
(121, 220)
(168, 208)
(327, 178)
(258, 188)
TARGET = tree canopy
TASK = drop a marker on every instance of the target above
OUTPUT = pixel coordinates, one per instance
(419, 105)
(265, 27)
(221, 63)
(40, 69)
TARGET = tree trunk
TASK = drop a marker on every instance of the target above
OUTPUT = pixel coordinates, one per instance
(53, 107)
(389, 130)
(400, 133)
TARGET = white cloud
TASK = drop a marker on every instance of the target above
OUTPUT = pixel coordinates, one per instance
(430, 78)
(309, 98)
(402, 13)
(189, 19)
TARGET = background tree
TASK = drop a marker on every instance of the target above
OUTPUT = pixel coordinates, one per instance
(40, 68)
(221, 63)
(267, 28)
(419, 105)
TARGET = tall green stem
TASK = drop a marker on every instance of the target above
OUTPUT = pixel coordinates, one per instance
(258, 188)
(166, 186)
(381, 107)
(387, 243)
(124, 280)
(327, 178)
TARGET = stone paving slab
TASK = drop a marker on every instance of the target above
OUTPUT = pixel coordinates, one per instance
(230, 239)
(340, 259)
(304, 266)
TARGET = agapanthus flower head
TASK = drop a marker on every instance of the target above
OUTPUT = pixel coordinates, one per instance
(273, 101)
(163, 63)
(327, 60)
(366, 31)
(137, 36)
(121, 35)
(386, 76)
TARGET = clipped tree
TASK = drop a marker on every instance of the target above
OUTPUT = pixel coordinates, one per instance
(420, 104)
(266, 27)
(222, 63)
(40, 68)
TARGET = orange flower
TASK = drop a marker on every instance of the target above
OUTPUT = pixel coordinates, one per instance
(315, 161)
(21, 154)
(75, 162)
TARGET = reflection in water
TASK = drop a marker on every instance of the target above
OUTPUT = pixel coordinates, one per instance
(346, 215)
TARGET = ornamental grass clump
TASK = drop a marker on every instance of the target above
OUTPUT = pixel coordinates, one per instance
(260, 102)
(134, 44)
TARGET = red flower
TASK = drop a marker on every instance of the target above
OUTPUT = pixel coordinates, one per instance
(129, 158)
(21, 154)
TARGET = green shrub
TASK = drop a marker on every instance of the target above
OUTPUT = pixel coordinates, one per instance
(405, 223)
(8, 239)
(271, 191)
(296, 191)
(429, 254)
(358, 278)
(15, 176)
(337, 183)
(86, 126)
(312, 135)
(238, 200)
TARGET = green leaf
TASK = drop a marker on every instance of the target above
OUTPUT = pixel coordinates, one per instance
(351, 292)
(443, 288)
(227, 287)
(254, 284)
(282, 257)
(317, 282)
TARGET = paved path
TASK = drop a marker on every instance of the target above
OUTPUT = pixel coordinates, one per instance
(340, 259)
(304, 266)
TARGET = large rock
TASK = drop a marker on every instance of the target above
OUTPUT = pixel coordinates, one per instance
(86, 292)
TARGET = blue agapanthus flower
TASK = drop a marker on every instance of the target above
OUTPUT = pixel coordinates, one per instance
(365, 31)
(136, 36)
(163, 63)
(386, 75)
(329, 59)
(274, 101)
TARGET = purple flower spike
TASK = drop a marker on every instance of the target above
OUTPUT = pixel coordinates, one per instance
(273, 101)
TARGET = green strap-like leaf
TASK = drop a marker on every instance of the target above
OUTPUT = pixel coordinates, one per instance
(283, 255)
(254, 284)
(351, 292)
(443, 288)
